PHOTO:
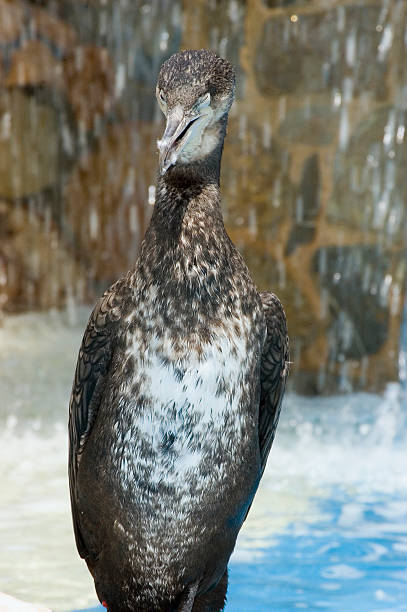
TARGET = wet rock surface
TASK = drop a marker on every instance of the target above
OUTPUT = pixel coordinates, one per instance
(313, 168)
(370, 190)
(29, 144)
(355, 279)
(106, 196)
(311, 51)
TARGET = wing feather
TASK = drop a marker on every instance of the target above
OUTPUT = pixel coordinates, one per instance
(92, 367)
(273, 372)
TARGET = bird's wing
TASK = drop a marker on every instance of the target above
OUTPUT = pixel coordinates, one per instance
(273, 372)
(93, 363)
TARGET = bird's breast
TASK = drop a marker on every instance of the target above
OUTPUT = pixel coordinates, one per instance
(186, 417)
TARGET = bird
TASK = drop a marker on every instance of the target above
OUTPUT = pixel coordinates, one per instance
(179, 380)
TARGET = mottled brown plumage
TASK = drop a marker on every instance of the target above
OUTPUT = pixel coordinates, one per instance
(179, 379)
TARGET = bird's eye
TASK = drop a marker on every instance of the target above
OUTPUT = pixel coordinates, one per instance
(161, 96)
(205, 100)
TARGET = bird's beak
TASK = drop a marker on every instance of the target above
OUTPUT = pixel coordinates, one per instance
(171, 144)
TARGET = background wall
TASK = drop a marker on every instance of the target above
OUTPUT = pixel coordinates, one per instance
(313, 180)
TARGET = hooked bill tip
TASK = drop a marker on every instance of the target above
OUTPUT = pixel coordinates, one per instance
(167, 155)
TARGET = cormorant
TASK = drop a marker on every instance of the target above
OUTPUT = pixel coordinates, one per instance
(179, 380)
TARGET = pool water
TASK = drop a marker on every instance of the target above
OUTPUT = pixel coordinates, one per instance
(354, 558)
(328, 529)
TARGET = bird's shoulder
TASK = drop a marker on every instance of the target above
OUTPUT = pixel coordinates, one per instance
(276, 343)
(99, 339)
(100, 334)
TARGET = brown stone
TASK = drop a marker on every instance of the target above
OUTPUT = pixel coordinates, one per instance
(369, 189)
(315, 126)
(272, 4)
(36, 268)
(255, 176)
(89, 83)
(11, 20)
(16, 17)
(29, 144)
(295, 57)
(107, 199)
(269, 275)
(54, 30)
(33, 64)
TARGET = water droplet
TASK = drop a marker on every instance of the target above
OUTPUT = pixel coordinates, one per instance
(344, 128)
(151, 195)
(400, 134)
(337, 99)
(5, 126)
(120, 79)
(93, 223)
(252, 225)
(385, 43)
(350, 48)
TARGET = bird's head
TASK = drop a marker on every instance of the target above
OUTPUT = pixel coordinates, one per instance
(195, 91)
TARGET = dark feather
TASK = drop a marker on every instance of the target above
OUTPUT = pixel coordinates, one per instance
(93, 362)
(273, 374)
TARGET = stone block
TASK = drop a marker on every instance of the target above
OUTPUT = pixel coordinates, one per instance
(106, 199)
(29, 144)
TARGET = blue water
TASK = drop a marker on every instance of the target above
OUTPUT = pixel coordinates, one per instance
(330, 567)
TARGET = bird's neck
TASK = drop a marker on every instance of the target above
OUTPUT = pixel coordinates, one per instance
(186, 243)
(187, 217)
(188, 198)
(187, 257)
(186, 247)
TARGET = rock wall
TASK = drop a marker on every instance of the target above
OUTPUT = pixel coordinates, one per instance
(313, 177)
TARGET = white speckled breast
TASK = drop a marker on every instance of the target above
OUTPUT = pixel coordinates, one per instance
(185, 430)
(187, 405)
